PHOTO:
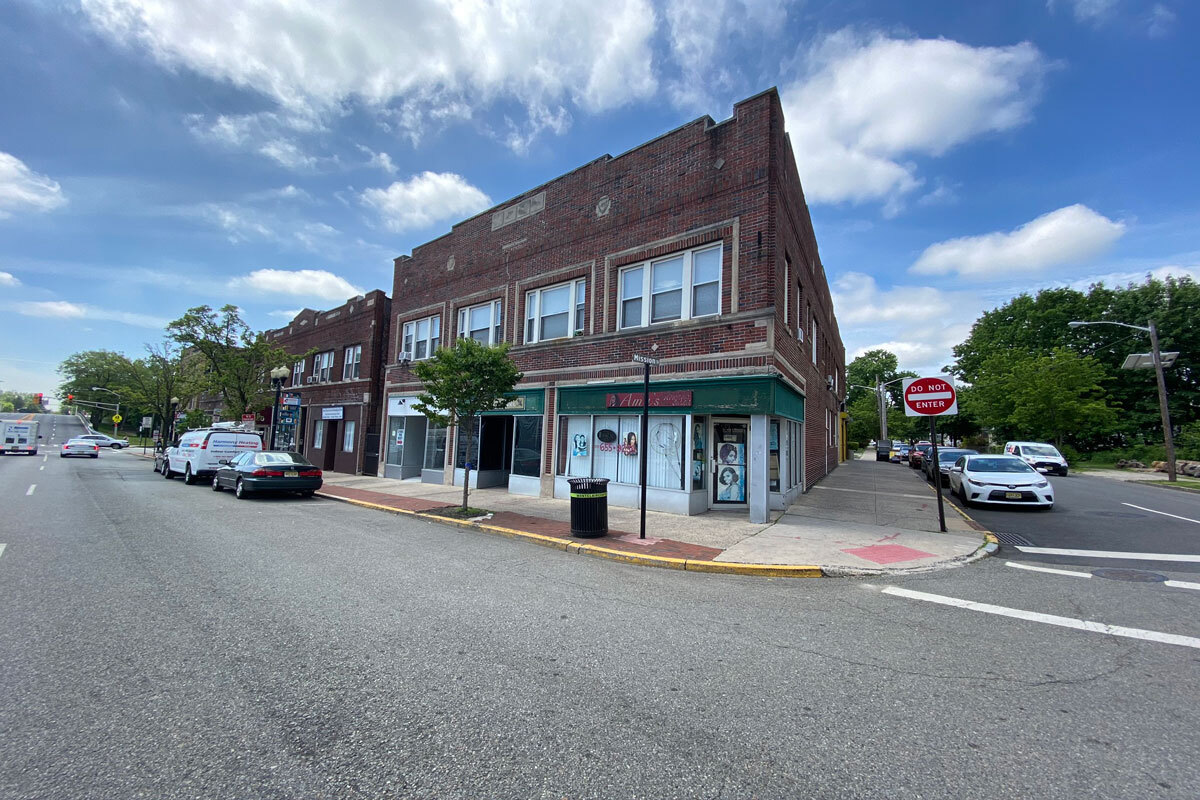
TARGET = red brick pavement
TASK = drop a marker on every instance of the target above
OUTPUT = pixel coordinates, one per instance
(616, 540)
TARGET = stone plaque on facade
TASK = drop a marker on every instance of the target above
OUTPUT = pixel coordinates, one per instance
(603, 205)
(526, 208)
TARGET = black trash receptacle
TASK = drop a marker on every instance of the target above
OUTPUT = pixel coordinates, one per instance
(589, 507)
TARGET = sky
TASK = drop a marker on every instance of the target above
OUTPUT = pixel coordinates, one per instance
(157, 155)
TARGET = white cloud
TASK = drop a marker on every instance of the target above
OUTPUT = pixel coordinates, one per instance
(22, 189)
(424, 200)
(1070, 235)
(8, 279)
(298, 282)
(1115, 280)
(1160, 22)
(868, 105)
(287, 154)
(1093, 11)
(286, 314)
(312, 56)
(61, 309)
(379, 160)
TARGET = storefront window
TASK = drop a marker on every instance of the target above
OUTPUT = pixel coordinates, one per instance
(610, 447)
(527, 446)
(773, 456)
(699, 462)
(460, 457)
(435, 446)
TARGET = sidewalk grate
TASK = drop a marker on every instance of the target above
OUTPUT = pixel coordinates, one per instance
(1013, 538)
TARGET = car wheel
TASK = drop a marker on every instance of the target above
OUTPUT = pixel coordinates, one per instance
(240, 491)
(216, 484)
(60, 455)
(188, 478)
(166, 470)
(94, 455)
(115, 446)
(1064, 472)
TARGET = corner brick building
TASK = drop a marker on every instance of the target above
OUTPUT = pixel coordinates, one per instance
(695, 248)
(340, 388)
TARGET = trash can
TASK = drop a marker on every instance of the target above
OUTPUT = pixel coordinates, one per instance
(589, 507)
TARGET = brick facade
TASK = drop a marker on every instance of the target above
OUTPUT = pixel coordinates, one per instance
(732, 183)
(361, 321)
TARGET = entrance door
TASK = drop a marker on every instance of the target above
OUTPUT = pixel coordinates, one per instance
(331, 444)
(729, 451)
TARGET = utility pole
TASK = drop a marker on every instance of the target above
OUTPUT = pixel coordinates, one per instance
(1168, 436)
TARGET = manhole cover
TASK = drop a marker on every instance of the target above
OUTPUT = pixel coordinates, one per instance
(1132, 575)
(1120, 514)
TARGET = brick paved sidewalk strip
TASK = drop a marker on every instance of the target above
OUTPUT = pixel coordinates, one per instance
(381, 499)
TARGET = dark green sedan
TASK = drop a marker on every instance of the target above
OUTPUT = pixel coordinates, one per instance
(267, 471)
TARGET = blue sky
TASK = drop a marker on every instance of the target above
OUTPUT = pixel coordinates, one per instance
(161, 154)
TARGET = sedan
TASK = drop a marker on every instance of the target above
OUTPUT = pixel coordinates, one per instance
(79, 447)
(267, 471)
(946, 458)
(920, 451)
(106, 441)
(899, 453)
(999, 480)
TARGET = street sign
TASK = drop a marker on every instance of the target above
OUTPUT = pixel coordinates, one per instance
(147, 423)
(929, 397)
(247, 418)
(116, 418)
(654, 362)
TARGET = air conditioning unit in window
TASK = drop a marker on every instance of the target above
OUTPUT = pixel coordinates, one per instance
(311, 379)
(829, 382)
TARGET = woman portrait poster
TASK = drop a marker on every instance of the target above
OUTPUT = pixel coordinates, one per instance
(732, 488)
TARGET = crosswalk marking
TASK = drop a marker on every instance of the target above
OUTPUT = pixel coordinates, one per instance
(1048, 619)
(1165, 514)
(32, 486)
(1062, 551)
(1032, 568)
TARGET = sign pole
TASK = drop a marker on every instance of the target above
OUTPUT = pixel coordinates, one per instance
(937, 471)
(644, 449)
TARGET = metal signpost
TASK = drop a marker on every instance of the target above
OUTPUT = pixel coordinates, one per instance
(933, 398)
(647, 362)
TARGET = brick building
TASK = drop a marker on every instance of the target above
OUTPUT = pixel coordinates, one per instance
(340, 387)
(695, 248)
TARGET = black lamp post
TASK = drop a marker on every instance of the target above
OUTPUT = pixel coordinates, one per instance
(171, 438)
(278, 376)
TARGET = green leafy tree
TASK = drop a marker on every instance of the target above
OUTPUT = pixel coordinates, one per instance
(461, 382)
(236, 360)
(162, 374)
(105, 368)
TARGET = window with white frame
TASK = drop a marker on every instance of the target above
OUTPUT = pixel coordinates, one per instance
(683, 286)
(298, 373)
(348, 436)
(814, 339)
(484, 323)
(319, 435)
(323, 367)
(421, 338)
(352, 365)
(607, 447)
(555, 311)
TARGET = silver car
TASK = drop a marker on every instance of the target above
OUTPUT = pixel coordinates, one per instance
(79, 447)
(105, 441)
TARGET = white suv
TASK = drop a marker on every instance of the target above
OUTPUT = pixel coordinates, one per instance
(200, 452)
(1039, 455)
(105, 441)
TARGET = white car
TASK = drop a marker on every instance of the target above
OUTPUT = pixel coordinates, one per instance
(79, 447)
(105, 441)
(1039, 455)
(999, 480)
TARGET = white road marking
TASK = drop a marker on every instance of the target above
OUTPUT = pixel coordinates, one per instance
(1182, 584)
(1165, 514)
(42, 467)
(32, 486)
(1049, 619)
(2, 546)
(1048, 569)
(45, 458)
(1062, 551)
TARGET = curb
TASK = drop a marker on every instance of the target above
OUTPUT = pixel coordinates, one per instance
(685, 564)
(992, 544)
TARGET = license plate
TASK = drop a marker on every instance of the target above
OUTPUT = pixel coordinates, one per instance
(290, 473)
(1012, 495)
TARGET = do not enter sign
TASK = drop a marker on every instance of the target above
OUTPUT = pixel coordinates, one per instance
(929, 397)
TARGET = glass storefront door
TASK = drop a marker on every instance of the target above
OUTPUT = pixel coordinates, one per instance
(729, 450)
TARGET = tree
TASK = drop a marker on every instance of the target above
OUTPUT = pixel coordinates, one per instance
(105, 368)
(162, 374)
(879, 366)
(237, 361)
(462, 381)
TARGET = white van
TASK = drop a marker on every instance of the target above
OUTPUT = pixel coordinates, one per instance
(1039, 455)
(200, 452)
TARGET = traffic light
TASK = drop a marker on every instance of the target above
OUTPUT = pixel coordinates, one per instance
(37, 398)
(70, 397)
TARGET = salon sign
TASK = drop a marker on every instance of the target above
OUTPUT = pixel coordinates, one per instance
(677, 399)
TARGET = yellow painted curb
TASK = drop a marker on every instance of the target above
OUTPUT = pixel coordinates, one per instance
(760, 570)
(632, 558)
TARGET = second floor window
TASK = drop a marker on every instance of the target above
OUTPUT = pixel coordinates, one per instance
(298, 373)
(556, 311)
(421, 338)
(323, 366)
(351, 366)
(683, 286)
(484, 323)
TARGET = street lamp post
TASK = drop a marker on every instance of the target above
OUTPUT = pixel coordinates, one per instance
(118, 411)
(1164, 410)
(278, 376)
(171, 438)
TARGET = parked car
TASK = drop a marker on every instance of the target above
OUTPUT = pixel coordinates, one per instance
(201, 451)
(919, 451)
(79, 447)
(946, 459)
(999, 480)
(883, 450)
(899, 452)
(105, 441)
(267, 471)
(162, 454)
(1039, 455)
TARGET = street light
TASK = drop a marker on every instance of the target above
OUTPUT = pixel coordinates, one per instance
(278, 376)
(171, 438)
(118, 411)
(1162, 384)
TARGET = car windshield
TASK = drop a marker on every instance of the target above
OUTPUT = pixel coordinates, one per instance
(998, 465)
(924, 448)
(282, 458)
(1040, 450)
(950, 456)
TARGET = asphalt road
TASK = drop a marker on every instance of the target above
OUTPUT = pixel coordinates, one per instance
(167, 641)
